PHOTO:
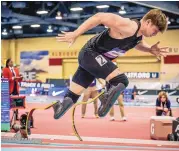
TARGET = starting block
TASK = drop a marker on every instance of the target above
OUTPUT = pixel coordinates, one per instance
(160, 127)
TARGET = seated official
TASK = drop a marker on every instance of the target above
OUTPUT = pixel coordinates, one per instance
(163, 105)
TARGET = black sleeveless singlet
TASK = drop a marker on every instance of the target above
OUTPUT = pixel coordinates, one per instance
(110, 47)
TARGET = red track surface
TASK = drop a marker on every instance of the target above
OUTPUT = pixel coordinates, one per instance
(137, 126)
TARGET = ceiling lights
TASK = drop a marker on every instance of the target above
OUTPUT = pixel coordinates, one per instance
(16, 27)
(41, 12)
(35, 25)
(102, 6)
(122, 10)
(49, 30)
(168, 21)
(76, 9)
(4, 32)
(58, 15)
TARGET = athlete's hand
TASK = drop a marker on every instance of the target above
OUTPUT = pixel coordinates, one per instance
(155, 50)
(68, 37)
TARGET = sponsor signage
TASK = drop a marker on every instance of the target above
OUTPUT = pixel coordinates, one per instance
(61, 91)
(142, 75)
(35, 85)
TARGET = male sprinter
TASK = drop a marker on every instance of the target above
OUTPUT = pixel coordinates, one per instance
(95, 58)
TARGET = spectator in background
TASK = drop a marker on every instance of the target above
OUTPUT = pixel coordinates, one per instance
(12, 74)
(177, 99)
(162, 87)
(134, 92)
(67, 83)
(163, 105)
(120, 101)
(2, 71)
(177, 88)
(121, 107)
(90, 92)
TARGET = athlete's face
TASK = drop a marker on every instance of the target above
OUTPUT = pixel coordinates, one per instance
(150, 29)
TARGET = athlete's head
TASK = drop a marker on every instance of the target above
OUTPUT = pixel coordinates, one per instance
(154, 22)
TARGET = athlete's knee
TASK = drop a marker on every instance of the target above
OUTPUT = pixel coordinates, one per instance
(122, 78)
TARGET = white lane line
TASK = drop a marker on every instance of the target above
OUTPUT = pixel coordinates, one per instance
(97, 139)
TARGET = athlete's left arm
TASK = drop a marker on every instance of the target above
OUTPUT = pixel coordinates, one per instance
(154, 49)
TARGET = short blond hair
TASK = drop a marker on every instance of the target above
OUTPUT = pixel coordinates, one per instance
(158, 19)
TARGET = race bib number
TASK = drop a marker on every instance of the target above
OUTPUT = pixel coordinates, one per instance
(101, 60)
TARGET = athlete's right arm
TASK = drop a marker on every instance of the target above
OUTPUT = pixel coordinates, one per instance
(107, 19)
(113, 21)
